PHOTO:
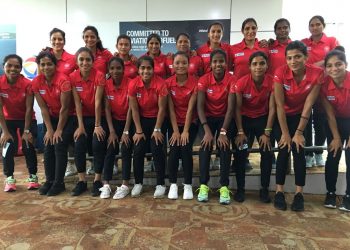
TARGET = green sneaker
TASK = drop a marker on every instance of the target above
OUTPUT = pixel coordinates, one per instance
(33, 182)
(224, 195)
(203, 193)
(10, 184)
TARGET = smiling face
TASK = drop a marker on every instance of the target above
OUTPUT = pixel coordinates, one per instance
(296, 60)
(215, 33)
(85, 62)
(47, 67)
(153, 47)
(258, 66)
(123, 46)
(218, 64)
(12, 69)
(57, 41)
(180, 65)
(316, 27)
(116, 70)
(336, 68)
(183, 44)
(90, 39)
(146, 71)
(249, 31)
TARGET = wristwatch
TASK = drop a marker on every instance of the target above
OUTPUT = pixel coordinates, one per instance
(157, 130)
(26, 131)
(223, 132)
(125, 132)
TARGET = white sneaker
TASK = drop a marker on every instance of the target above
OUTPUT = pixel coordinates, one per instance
(188, 193)
(71, 169)
(148, 166)
(319, 162)
(121, 192)
(159, 192)
(309, 161)
(172, 195)
(105, 191)
(136, 190)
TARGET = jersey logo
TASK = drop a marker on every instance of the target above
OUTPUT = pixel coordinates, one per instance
(274, 51)
(205, 55)
(138, 95)
(308, 48)
(248, 96)
(210, 91)
(5, 95)
(110, 97)
(308, 86)
(286, 87)
(42, 91)
(67, 65)
(331, 98)
(239, 54)
(173, 92)
(79, 89)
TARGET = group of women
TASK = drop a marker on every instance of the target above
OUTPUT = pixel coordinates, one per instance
(103, 103)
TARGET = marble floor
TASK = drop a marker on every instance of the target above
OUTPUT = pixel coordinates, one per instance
(31, 221)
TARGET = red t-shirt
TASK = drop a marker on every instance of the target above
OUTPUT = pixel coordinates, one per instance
(295, 94)
(87, 89)
(130, 70)
(161, 65)
(255, 103)
(181, 96)
(277, 56)
(240, 54)
(118, 98)
(195, 66)
(13, 97)
(205, 50)
(148, 98)
(317, 51)
(339, 98)
(52, 95)
(216, 93)
(102, 58)
(67, 64)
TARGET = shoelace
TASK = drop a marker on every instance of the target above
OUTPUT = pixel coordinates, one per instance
(225, 192)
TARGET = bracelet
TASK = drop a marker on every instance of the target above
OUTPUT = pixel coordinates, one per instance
(299, 130)
(97, 126)
(204, 123)
(304, 117)
(139, 133)
(240, 133)
(126, 132)
(268, 129)
(223, 130)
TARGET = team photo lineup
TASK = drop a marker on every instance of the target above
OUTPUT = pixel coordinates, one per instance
(155, 108)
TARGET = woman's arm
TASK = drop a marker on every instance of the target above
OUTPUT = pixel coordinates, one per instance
(264, 139)
(125, 137)
(136, 117)
(241, 137)
(223, 140)
(162, 104)
(5, 135)
(27, 137)
(65, 99)
(79, 113)
(100, 133)
(175, 137)
(208, 137)
(112, 138)
(185, 137)
(48, 138)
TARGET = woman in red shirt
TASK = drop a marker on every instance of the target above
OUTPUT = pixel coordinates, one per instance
(182, 99)
(124, 46)
(215, 109)
(147, 100)
(53, 93)
(16, 112)
(255, 114)
(336, 102)
(215, 34)
(119, 120)
(88, 87)
(296, 88)
(94, 43)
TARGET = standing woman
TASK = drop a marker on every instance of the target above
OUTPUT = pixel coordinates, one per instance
(255, 114)
(215, 34)
(183, 95)
(66, 62)
(336, 102)
(215, 109)
(88, 87)
(183, 44)
(94, 43)
(147, 100)
(53, 93)
(16, 112)
(119, 121)
(161, 67)
(296, 88)
(318, 45)
(277, 48)
(124, 46)
(241, 52)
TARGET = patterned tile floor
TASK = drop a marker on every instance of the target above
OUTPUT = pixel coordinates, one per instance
(31, 221)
